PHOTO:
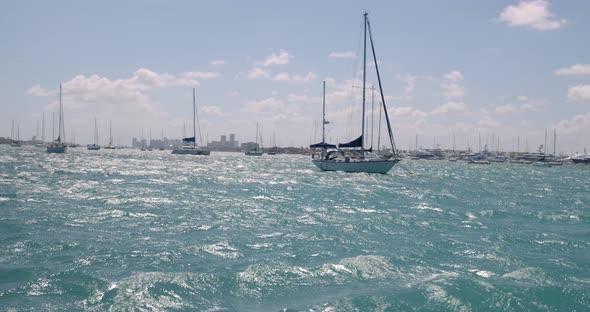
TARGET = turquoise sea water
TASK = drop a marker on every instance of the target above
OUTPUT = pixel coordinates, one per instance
(130, 230)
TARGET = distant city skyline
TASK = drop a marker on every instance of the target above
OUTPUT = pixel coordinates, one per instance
(462, 69)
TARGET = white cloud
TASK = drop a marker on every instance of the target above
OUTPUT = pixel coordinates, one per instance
(454, 76)
(36, 90)
(126, 102)
(506, 109)
(283, 76)
(451, 86)
(257, 72)
(346, 54)
(525, 104)
(579, 93)
(217, 63)
(201, 75)
(534, 14)
(282, 58)
(260, 73)
(576, 124)
(268, 105)
(450, 108)
(576, 69)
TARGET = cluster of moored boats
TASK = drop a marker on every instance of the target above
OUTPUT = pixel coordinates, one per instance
(486, 157)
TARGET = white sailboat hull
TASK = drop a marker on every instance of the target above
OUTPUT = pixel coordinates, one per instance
(369, 165)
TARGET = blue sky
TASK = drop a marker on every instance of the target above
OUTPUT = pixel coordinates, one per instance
(505, 69)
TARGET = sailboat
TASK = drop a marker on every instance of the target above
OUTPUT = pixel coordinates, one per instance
(95, 146)
(59, 145)
(110, 146)
(352, 156)
(13, 142)
(42, 144)
(255, 151)
(150, 146)
(274, 148)
(193, 149)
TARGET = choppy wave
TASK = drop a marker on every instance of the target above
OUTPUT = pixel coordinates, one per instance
(150, 231)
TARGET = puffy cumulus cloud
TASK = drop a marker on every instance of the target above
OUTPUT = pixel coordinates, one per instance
(579, 93)
(450, 108)
(36, 90)
(576, 69)
(267, 105)
(534, 14)
(217, 63)
(452, 89)
(261, 73)
(283, 76)
(346, 54)
(281, 58)
(454, 76)
(578, 123)
(126, 102)
(523, 104)
(257, 73)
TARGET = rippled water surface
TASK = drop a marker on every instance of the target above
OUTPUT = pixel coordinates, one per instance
(130, 230)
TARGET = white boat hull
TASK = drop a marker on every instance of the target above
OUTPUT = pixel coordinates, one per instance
(369, 166)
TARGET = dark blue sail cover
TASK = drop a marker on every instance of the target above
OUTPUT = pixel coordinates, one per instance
(358, 142)
(189, 139)
(322, 145)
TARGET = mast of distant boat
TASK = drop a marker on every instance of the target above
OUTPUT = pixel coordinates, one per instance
(194, 121)
(324, 116)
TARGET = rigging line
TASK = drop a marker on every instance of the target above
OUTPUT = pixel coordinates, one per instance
(350, 98)
(392, 140)
(198, 124)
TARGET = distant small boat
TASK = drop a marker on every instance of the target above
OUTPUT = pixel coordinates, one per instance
(58, 146)
(255, 151)
(13, 142)
(193, 149)
(95, 146)
(110, 146)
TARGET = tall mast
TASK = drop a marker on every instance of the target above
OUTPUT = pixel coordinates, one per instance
(12, 131)
(364, 86)
(554, 140)
(43, 128)
(194, 120)
(60, 117)
(256, 138)
(372, 112)
(110, 133)
(545, 146)
(324, 116)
